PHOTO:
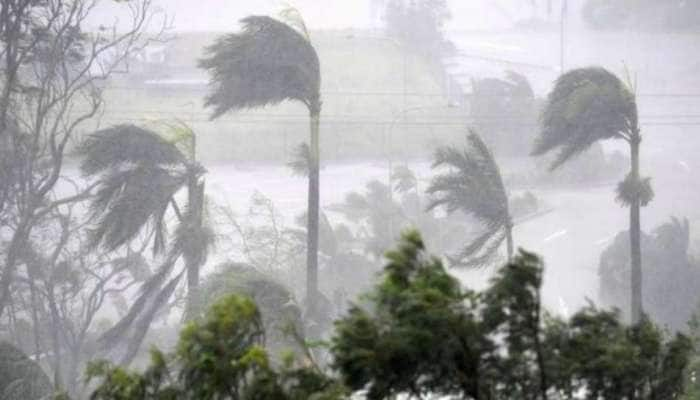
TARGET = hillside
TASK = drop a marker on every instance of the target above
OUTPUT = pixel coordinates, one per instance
(363, 98)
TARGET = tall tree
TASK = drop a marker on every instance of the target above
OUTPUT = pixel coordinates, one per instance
(588, 105)
(473, 185)
(269, 62)
(419, 25)
(139, 174)
(513, 97)
(53, 74)
(668, 268)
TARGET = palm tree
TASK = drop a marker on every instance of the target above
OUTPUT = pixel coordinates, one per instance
(139, 174)
(267, 63)
(588, 105)
(473, 185)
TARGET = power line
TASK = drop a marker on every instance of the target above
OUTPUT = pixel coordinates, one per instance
(368, 93)
(292, 117)
(367, 122)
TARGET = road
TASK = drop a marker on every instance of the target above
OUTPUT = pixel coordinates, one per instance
(570, 238)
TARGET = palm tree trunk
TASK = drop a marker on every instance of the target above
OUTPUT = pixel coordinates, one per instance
(192, 263)
(313, 215)
(635, 234)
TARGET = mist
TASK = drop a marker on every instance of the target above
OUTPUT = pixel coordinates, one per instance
(162, 158)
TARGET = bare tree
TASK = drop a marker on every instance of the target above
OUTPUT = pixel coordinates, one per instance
(54, 74)
(65, 285)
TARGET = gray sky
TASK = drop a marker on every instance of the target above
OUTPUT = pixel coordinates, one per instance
(222, 15)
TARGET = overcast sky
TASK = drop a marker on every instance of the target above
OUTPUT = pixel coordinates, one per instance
(222, 15)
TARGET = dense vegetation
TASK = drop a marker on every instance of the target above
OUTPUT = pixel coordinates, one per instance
(94, 259)
(418, 332)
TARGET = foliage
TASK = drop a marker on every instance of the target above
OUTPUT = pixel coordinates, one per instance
(380, 216)
(592, 166)
(511, 311)
(692, 372)
(269, 62)
(55, 69)
(218, 357)
(419, 332)
(630, 189)
(667, 268)
(52, 88)
(20, 377)
(588, 105)
(278, 307)
(301, 161)
(69, 286)
(265, 64)
(419, 25)
(138, 174)
(507, 110)
(405, 180)
(473, 185)
(585, 106)
(612, 361)
(407, 344)
(272, 250)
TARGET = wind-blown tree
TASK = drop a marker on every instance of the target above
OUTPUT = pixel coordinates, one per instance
(280, 313)
(417, 333)
(20, 376)
(668, 268)
(267, 63)
(473, 185)
(218, 356)
(506, 109)
(588, 105)
(139, 174)
(52, 86)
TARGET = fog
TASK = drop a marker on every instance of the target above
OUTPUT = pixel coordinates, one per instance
(158, 155)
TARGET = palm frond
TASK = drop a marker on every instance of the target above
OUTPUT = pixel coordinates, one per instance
(125, 143)
(519, 85)
(631, 189)
(301, 161)
(481, 252)
(405, 179)
(266, 63)
(674, 234)
(127, 200)
(586, 105)
(179, 134)
(148, 291)
(292, 17)
(139, 173)
(472, 183)
(141, 326)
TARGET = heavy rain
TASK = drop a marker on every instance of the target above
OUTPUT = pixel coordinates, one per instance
(349, 199)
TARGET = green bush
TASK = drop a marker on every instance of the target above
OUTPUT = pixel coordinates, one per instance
(419, 333)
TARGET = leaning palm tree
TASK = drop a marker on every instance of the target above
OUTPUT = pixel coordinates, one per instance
(588, 105)
(139, 174)
(473, 185)
(269, 62)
